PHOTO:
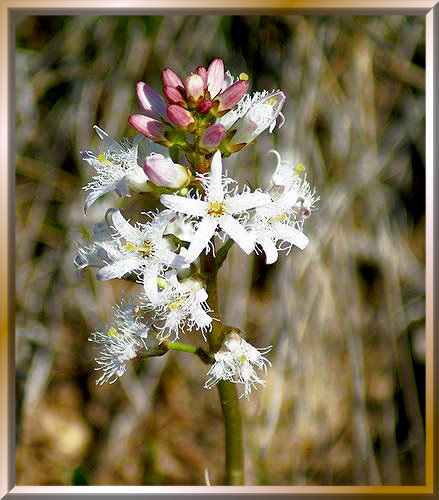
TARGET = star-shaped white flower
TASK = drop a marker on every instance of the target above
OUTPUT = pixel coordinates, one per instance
(236, 362)
(181, 305)
(122, 342)
(117, 168)
(142, 250)
(217, 209)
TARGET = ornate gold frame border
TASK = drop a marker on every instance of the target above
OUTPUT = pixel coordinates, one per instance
(8, 10)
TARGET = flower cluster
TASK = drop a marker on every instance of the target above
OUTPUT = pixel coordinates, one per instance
(177, 160)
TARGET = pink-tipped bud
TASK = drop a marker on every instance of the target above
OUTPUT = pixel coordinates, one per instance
(202, 71)
(194, 86)
(232, 95)
(215, 77)
(179, 116)
(150, 100)
(171, 79)
(174, 95)
(164, 172)
(149, 127)
(212, 137)
(204, 106)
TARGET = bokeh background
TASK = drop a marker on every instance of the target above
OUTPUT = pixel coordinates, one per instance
(345, 398)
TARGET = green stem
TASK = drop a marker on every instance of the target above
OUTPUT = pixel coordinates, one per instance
(234, 462)
(178, 346)
(233, 433)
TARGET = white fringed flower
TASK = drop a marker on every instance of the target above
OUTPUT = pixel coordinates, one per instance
(121, 342)
(253, 115)
(142, 250)
(116, 169)
(236, 362)
(91, 251)
(216, 209)
(288, 176)
(181, 305)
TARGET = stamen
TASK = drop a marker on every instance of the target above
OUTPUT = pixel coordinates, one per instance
(103, 159)
(243, 76)
(272, 101)
(300, 167)
(279, 218)
(146, 248)
(216, 208)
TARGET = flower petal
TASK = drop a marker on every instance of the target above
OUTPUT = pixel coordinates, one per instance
(216, 192)
(97, 193)
(150, 283)
(119, 268)
(270, 250)
(201, 238)
(124, 228)
(292, 235)
(246, 201)
(189, 206)
(238, 233)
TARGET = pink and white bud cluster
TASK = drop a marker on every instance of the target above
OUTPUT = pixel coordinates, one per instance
(204, 91)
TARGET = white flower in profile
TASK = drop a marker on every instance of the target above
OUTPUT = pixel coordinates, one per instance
(142, 250)
(253, 115)
(275, 225)
(216, 209)
(116, 169)
(288, 176)
(181, 305)
(236, 362)
(121, 342)
(91, 252)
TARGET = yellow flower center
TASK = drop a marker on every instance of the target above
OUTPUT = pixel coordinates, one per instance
(216, 208)
(243, 76)
(279, 218)
(175, 305)
(146, 249)
(242, 358)
(103, 159)
(272, 101)
(300, 167)
(112, 332)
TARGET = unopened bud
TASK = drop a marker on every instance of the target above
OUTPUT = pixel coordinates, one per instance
(232, 95)
(204, 106)
(179, 116)
(149, 127)
(171, 79)
(215, 77)
(194, 86)
(164, 172)
(174, 95)
(150, 100)
(212, 137)
(202, 71)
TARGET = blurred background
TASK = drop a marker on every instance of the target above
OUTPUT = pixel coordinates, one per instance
(345, 397)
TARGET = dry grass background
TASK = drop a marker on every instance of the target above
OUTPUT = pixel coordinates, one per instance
(344, 401)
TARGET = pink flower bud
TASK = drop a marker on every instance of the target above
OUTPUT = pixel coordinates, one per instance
(179, 116)
(149, 127)
(202, 71)
(174, 95)
(171, 79)
(232, 95)
(215, 77)
(194, 86)
(150, 100)
(164, 172)
(204, 106)
(212, 137)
